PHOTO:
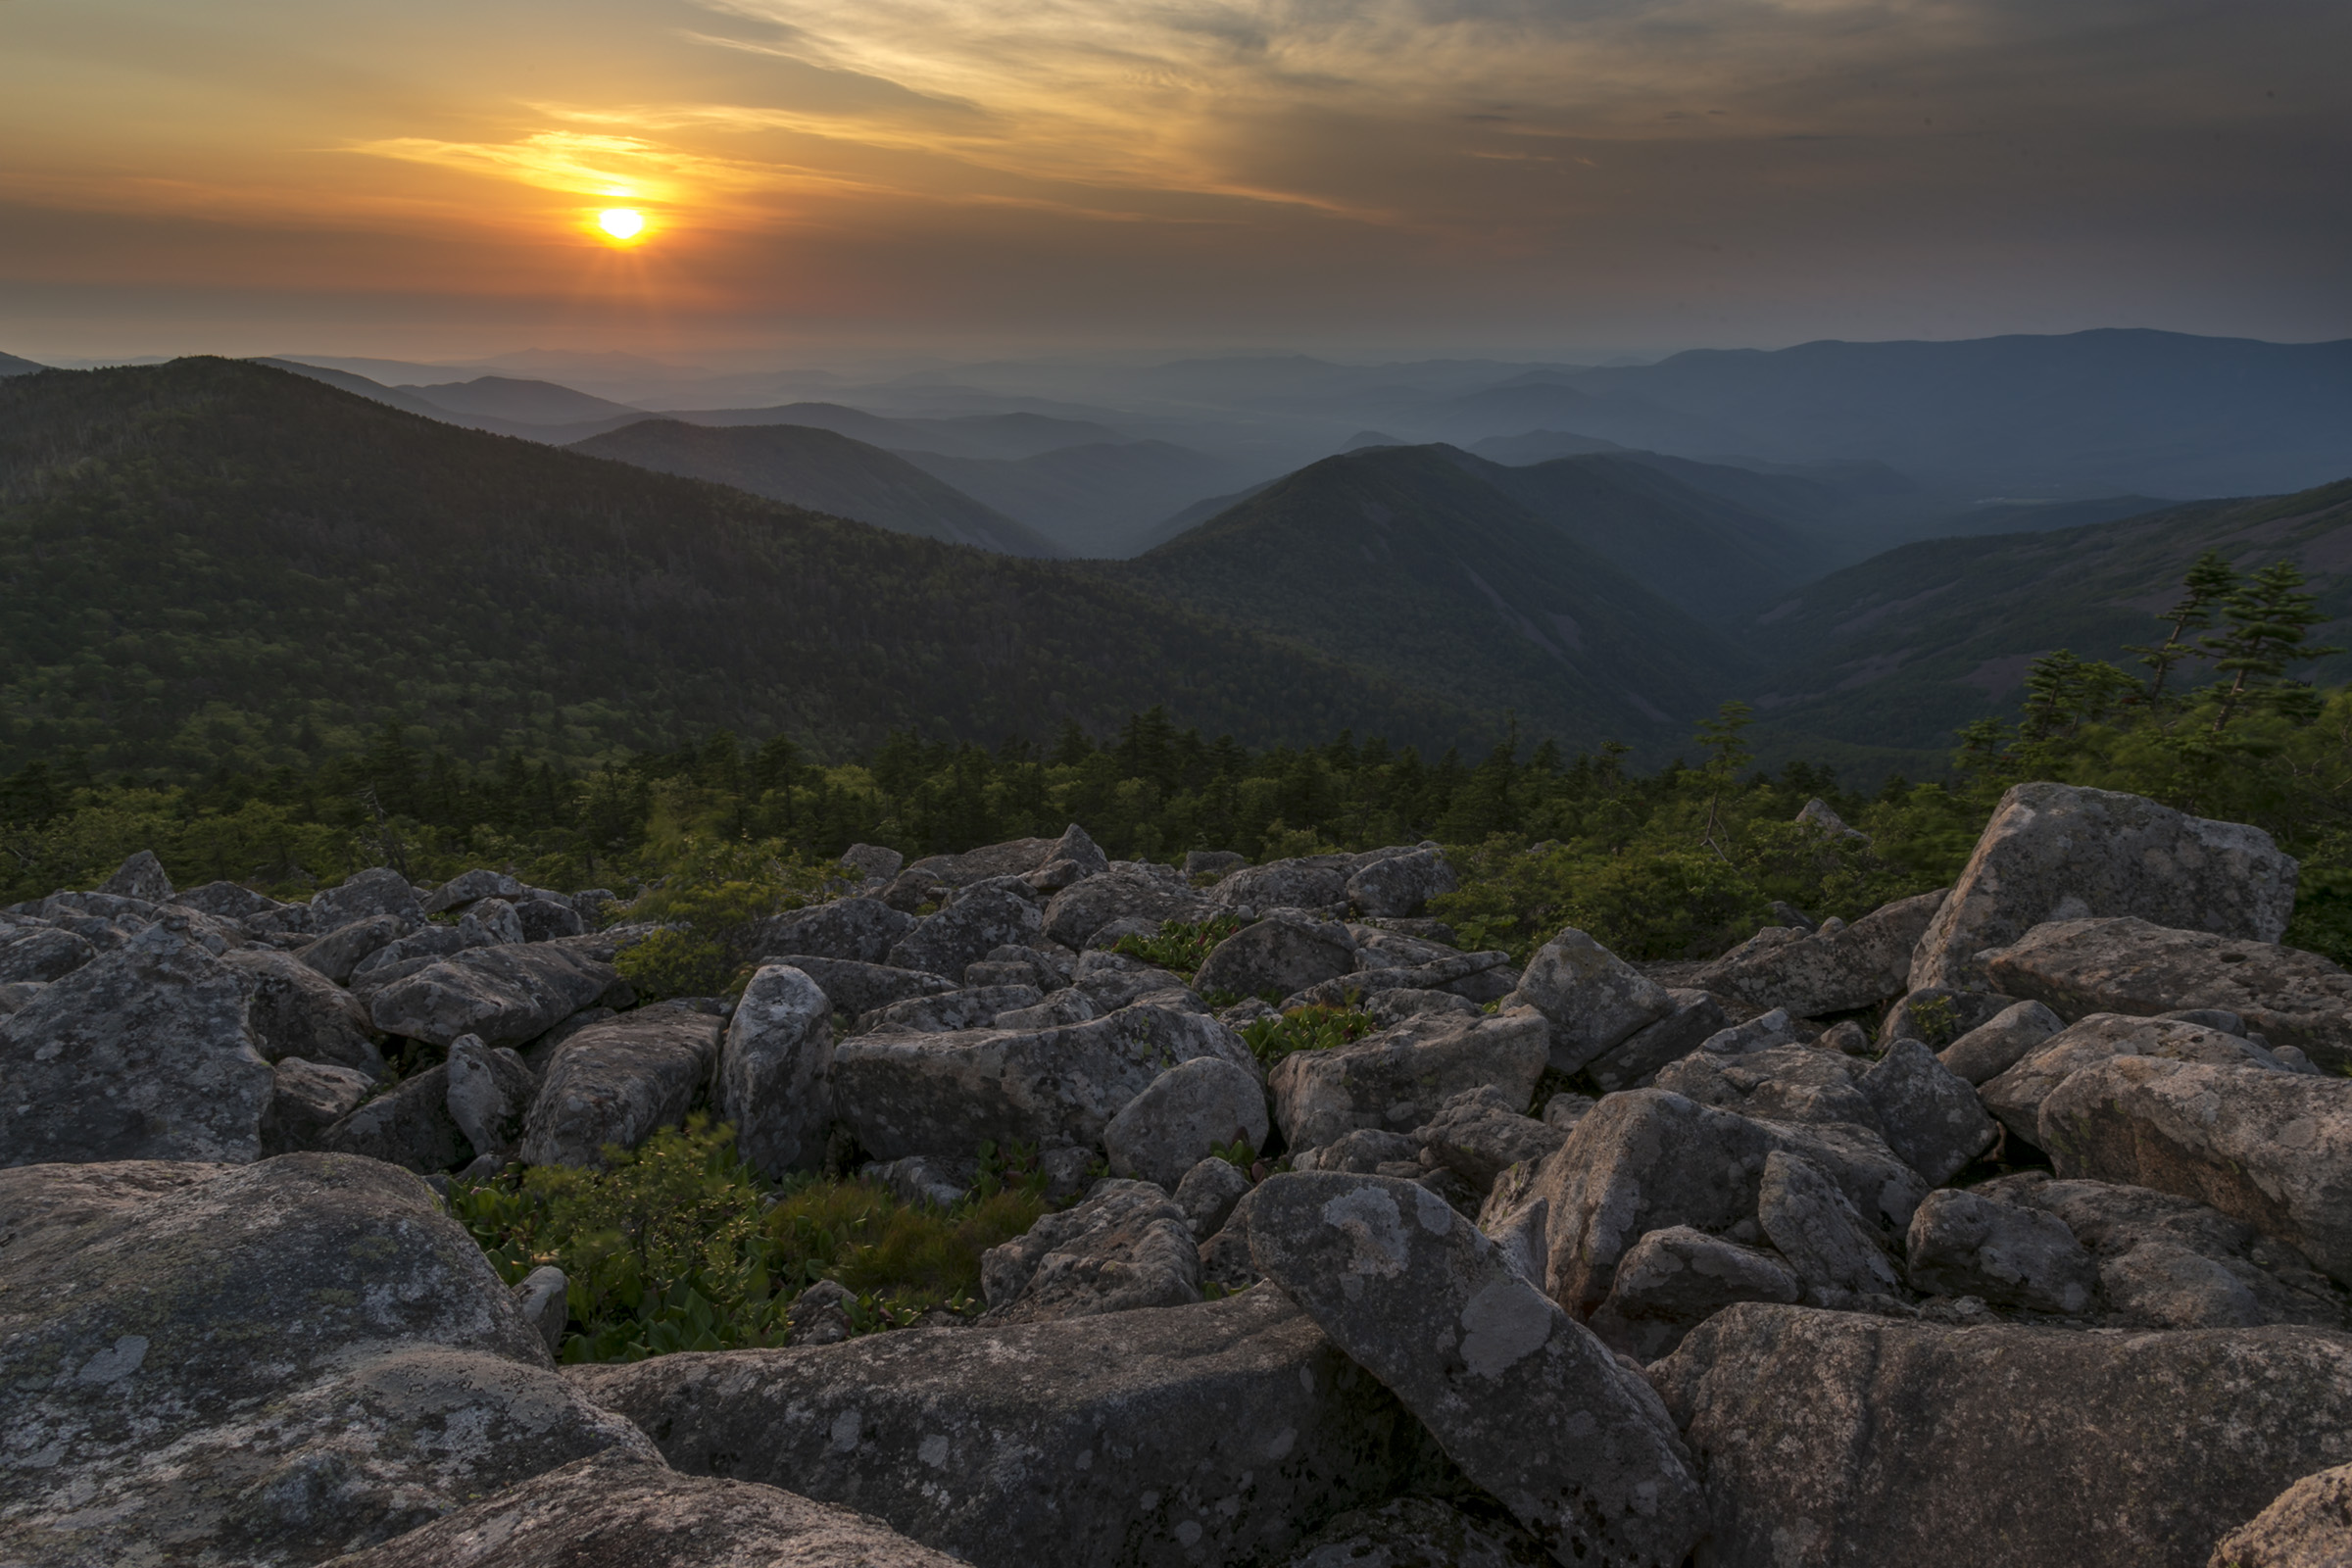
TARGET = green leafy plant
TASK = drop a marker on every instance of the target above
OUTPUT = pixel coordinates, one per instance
(1312, 1028)
(1936, 1021)
(1179, 947)
(1237, 1153)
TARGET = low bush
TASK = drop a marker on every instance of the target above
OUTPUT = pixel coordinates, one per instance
(1311, 1028)
(1181, 946)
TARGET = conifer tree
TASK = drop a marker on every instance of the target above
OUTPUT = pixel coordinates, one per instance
(2268, 620)
(2210, 582)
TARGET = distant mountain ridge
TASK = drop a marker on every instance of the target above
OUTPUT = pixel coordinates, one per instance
(10, 364)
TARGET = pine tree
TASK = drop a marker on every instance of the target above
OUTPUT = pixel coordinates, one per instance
(2063, 693)
(2268, 622)
(2210, 582)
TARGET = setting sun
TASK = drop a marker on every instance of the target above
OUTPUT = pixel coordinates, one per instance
(622, 223)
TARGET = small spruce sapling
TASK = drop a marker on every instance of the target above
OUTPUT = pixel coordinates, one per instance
(2268, 620)
(2210, 582)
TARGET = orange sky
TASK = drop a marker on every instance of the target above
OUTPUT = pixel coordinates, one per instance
(250, 175)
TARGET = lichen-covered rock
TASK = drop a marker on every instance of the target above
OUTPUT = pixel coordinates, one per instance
(1677, 1278)
(379, 890)
(1209, 1194)
(619, 1082)
(267, 1364)
(2272, 1148)
(1110, 980)
(1636, 1060)
(1786, 1083)
(1066, 1007)
(306, 1098)
(1401, 886)
(297, 1011)
(1124, 892)
(1280, 956)
(982, 917)
(1815, 1226)
(1304, 882)
(1127, 1246)
(1646, 1159)
(1419, 1533)
(2017, 1095)
(408, 1125)
(1965, 1244)
(142, 1053)
(1187, 1110)
(2058, 852)
(2080, 968)
(1397, 1078)
(1127, 1440)
(1831, 971)
(986, 863)
(855, 988)
(471, 887)
(507, 995)
(1992, 1049)
(1480, 1133)
(928, 1094)
(1593, 999)
(972, 1008)
(1530, 1405)
(2309, 1525)
(775, 1071)
(142, 876)
(490, 1092)
(42, 953)
(339, 954)
(1929, 1115)
(1837, 1439)
(630, 1511)
(852, 930)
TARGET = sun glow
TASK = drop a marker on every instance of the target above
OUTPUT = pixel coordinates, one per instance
(622, 223)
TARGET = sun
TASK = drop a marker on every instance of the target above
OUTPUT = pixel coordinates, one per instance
(622, 223)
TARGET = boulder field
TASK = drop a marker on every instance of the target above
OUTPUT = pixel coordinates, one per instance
(2004, 1226)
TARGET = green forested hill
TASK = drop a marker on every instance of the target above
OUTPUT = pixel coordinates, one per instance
(219, 564)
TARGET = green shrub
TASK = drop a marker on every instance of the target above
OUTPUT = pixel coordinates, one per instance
(717, 896)
(1312, 1028)
(1181, 946)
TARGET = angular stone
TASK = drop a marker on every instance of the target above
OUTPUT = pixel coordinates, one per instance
(852, 930)
(1278, 957)
(857, 989)
(1929, 1115)
(622, 1509)
(1009, 858)
(1397, 1078)
(1057, 1011)
(2078, 968)
(142, 876)
(1646, 1159)
(408, 1125)
(1480, 1133)
(775, 1071)
(490, 1092)
(1419, 1533)
(619, 1083)
(1965, 1243)
(2309, 1525)
(1786, 1083)
(1078, 913)
(1187, 1110)
(306, 1098)
(980, 918)
(471, 887)
(1832, 971)
(269, 1364)
(493, 921)
(507, 995)
(1593, 999)
(379, 890)
(339, 954)
(1992, 1049)
(296, 1012)
(2057, 852)
(1837, 1439)
(1110, 981)
(875, 862)
(229, 901)
(1816, 1228)
(935, 1094)
(43, 954)
(973, 1007)
(142, 1053)
(1127, 1246)
(1637, 1059)
(1675, 1279)
(2272, 1148)
(1080, 850)
(2017, 1095)
(1530, 1405)
(1403, 885)
(1212, 862)
(1480, 977)
(1207, 1194)
(1305, 882)
(1104, 1440)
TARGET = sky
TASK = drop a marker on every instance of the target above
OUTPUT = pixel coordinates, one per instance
(1537, 178)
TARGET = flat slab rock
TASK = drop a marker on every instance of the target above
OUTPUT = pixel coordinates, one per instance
(505, 995)
(1835, 971)
(1522, 1398)
(1836, 1439)
(1400, 1077)
(1177, 1436)
(264, 1364)
(629, 1511)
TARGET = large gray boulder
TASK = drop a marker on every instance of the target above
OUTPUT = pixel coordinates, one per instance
(1123, 893)
(1195, 1106)
(1967, 1244)
(2272, 1148)
(856, 930)
(1837, 1439)
(142, 876)
(1481, 1133)
(266, 1364)
(142, 1053)
(1304, 882)
(972, 1008)
(1593, 1000)
(1219, 1433)
(1013, 858)
(471, 887)
(1673, 1279)
(408, 1125)
(490, 1092)
(1419, 1533)
(2017, 1095)
(339, 954)
(1830, 970)
(1127, 1246)
(1401, 885)
(507, 995)
(42, 953)
(297, 1011)
(628, 1510)
(2078, 968)
(1533, 1407)
(775, 1071)
(379, 890)
(1280, 956)
(1397, 1078)
(1784, 1083)
(1648, 1159)
(1983, 1054)
(1827, 1242)
(2058, 852)
(2309, 1525)
(306, 1098)
(855, 988)
(1636, 1060)
(619, 1082)
(1929, 1114)
(945, 1094)
(981, 919)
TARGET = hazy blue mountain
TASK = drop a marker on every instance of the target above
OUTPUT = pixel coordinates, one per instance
(10, 364)
(1903, 648)
(2040, 516)
(519, 402)
(1400, 561)
(1540, 446)
(822, 470)
(1099, 500)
